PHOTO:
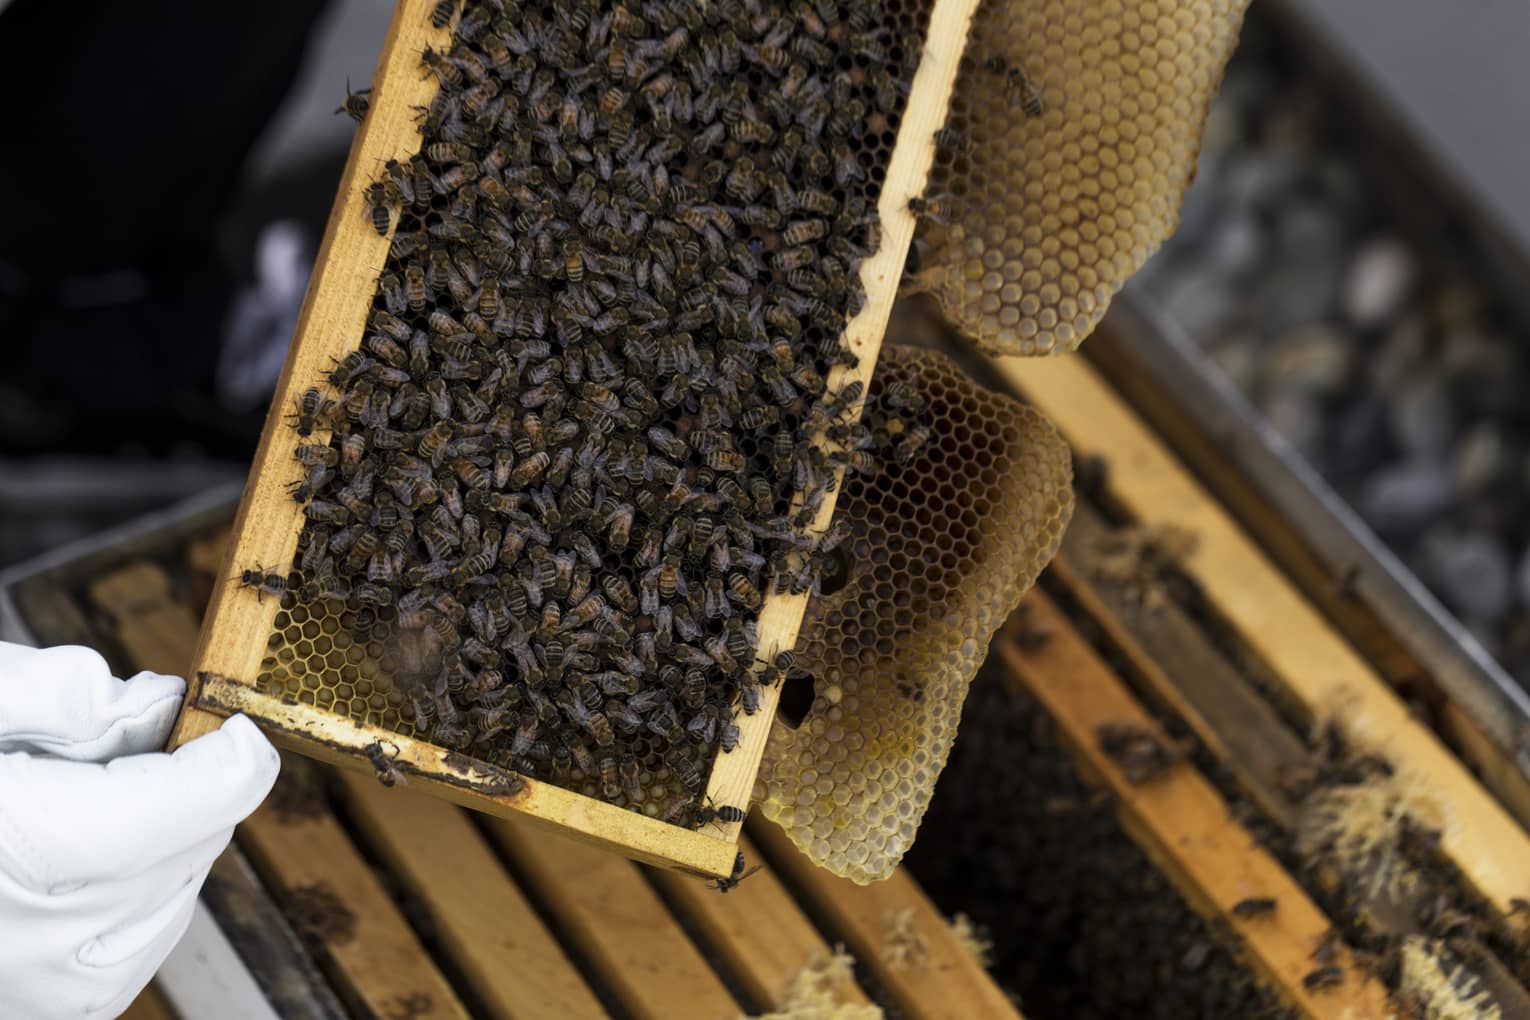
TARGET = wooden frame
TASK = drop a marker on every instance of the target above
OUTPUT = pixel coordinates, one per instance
(1185, 826)
(1352, 578)
(1320, 672)
(949, 983)
(1173, 663)
(760, 937)
(238, 623)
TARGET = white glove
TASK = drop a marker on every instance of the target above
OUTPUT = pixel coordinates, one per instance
(101, 861)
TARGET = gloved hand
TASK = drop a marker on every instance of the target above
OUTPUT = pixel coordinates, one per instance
(104, 845)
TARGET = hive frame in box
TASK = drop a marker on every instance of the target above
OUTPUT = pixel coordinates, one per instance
(238, 623)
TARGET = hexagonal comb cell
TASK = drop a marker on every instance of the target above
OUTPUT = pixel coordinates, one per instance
(1072, 135)
(942, 545)
(336, 656)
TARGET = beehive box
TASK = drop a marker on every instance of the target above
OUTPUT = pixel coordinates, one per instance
(318, 679)
(1161, 702)
(404, 902)
(347, 899)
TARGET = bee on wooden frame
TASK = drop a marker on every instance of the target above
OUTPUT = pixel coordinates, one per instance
(380, 202)
(385, 762)
(355, 104)
(265, 582)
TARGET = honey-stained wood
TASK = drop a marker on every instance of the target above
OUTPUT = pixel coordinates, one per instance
(908, 169)
(1184, 824)
(149, 1005)
(946, 983)
(757, 931)
(498, 944)
(366, 946)
(619, 925)
(1312, 661)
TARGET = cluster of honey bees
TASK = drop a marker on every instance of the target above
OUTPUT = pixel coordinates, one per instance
(590, 418)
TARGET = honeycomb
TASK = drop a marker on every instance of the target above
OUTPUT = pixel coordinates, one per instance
(1075, 128)
(342, 658)
(942, 547)
(337, 658)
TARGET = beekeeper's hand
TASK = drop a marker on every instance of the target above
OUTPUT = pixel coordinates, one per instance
(103, 843)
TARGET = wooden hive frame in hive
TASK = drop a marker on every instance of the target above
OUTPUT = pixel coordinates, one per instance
(234, 634)
(1087, 648)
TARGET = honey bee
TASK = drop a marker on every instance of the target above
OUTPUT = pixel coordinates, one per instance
(319, 475)
(727, 737)
(415, 294)
(449, 74)
(955, 141)
(383, 755)
(403, 185)
(805, 231)
(473, 23)
(264, 582)
(912, 443)
(1025, 91)
(488, 297)
(609, 782)
(325, 588)
(449, 152)
(314, 455)
(525, 734)
(1254, 906)
(936, 210)
(387, 349)
(355, 104)
(627, 769)
(724, 813)
(380, 206)
(313, 409)
(573, 261)
(455, 178)
(423, 188)
(432, 445)
(600, 728)
(352, 366)
(391, 325)
(738, 874)
(373, 594)
(685, 770)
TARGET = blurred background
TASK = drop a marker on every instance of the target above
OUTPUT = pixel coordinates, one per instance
(1351, 257)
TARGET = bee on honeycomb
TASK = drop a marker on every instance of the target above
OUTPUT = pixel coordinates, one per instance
(568, 458)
